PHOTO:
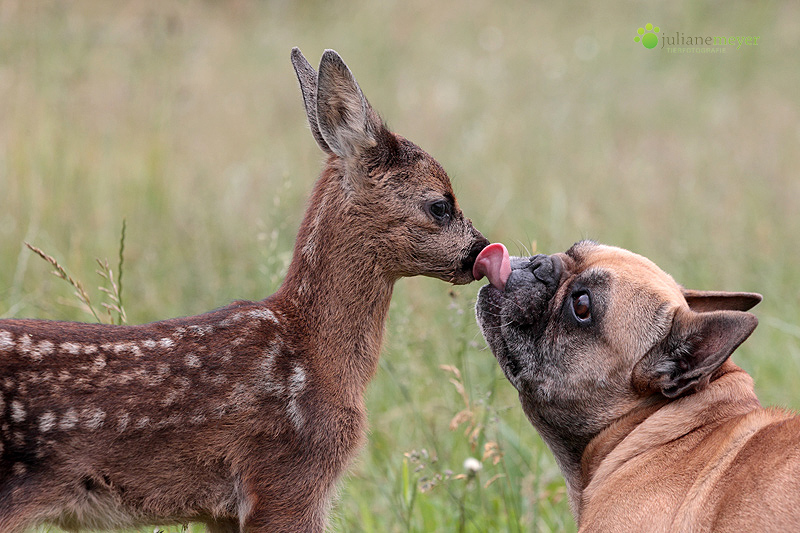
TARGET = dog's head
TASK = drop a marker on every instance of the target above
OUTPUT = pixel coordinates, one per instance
(586, 335)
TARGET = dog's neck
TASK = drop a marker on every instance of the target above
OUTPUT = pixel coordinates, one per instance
(657, 421)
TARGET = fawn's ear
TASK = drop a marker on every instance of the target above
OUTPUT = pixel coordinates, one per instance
(307, 77)
(346, 121)
(704, 301)
(696, 346)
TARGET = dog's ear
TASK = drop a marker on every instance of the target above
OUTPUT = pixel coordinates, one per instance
(694, 349)
(704, 301)
(347, 122)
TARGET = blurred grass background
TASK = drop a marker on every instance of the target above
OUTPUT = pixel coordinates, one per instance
(185, 119)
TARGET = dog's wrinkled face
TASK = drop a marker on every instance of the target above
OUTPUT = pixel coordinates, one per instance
(570, 327)
(585, 335)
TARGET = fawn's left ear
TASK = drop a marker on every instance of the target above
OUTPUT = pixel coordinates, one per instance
(347, 122)
(307, 77)
(696, 346)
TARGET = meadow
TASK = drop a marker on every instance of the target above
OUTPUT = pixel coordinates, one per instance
(184, 120)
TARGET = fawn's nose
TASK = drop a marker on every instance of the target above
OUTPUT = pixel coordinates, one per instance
(479, 242)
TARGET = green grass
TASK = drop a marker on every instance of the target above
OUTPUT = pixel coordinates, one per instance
(185, 120)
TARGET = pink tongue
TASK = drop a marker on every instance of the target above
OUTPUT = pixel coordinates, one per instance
(493, 262)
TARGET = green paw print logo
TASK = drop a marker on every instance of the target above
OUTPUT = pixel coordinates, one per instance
(649, 40)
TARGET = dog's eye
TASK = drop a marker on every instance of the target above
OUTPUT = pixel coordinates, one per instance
(440, 210)
(582, 306)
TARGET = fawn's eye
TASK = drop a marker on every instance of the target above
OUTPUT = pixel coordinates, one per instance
(582, 306)
(440, 210)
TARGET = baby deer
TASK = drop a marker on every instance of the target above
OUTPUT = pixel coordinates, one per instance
(245, 417)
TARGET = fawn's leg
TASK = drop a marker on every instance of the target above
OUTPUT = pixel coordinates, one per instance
(277, 506)
(302, 518)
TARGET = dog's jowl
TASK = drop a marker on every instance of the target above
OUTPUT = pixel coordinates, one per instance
(627, 377)
(244, 417)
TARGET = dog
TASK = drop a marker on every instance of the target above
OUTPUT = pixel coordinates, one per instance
(627, 377)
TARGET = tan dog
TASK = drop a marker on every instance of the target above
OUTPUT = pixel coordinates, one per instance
(626, 376)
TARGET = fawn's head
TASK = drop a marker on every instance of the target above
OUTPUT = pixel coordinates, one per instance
(379, 188)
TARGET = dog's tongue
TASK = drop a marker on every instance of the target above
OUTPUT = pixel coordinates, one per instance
(493, 262)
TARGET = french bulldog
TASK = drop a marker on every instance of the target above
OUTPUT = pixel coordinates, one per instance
(626, 376)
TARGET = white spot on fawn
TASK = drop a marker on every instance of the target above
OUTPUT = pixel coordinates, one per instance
(268, 383)
(263, 314)
(171, 397)
(121, 347)
(45, 347)
(25, 343)
(166, 343)
(200, 331)
(297, 382)
(90, 349)
(123, 378)
(149, 344)
(93, 418)
(192, 361)
(122, 422)
(69, 420)
(99, 363)
(162, 372)
(308, 251)
(172, 420)
(71, 348)
(6, 341)
(142, 422)
(17, 411)
(47, 421)
(36, 352)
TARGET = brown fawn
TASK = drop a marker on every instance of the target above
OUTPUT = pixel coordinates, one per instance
(244, 417)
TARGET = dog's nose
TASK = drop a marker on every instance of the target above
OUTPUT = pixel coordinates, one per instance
(546, 269)
(539, 269)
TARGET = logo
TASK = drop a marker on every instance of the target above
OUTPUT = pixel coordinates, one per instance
(693, 43)
(649, 40)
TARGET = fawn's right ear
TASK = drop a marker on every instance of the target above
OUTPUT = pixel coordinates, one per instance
(346, 121)
(307, 77)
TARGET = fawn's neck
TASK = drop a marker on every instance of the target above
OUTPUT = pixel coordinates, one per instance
(338, 290)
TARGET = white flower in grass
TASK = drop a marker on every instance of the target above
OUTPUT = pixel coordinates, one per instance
(472, 466)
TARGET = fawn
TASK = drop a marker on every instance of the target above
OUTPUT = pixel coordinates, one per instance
(244, 417)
